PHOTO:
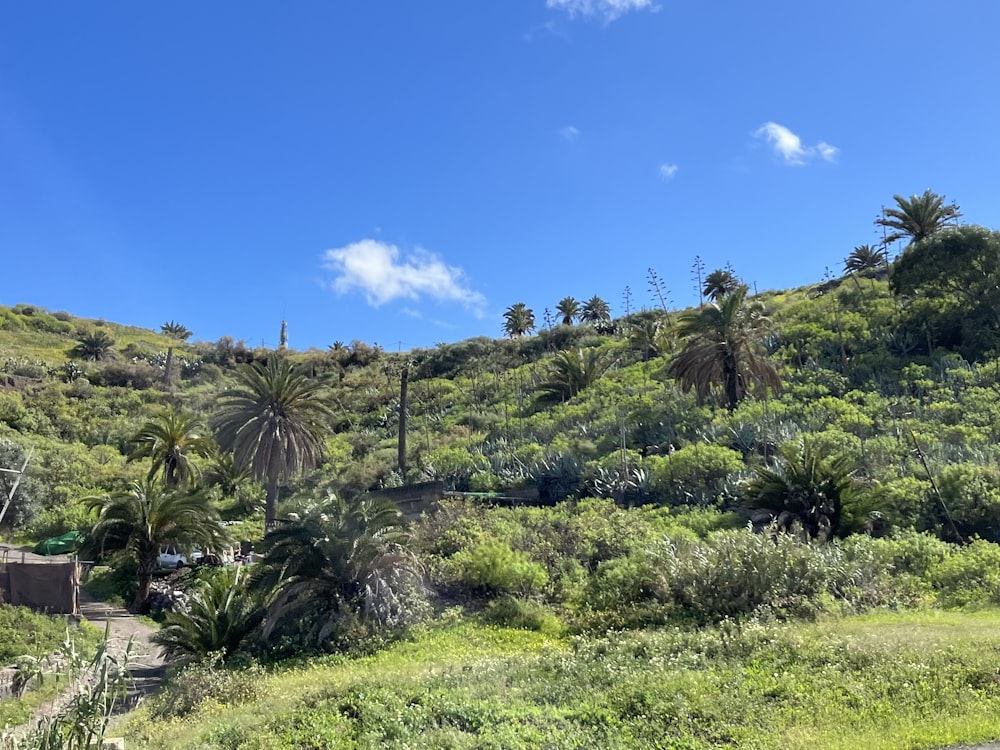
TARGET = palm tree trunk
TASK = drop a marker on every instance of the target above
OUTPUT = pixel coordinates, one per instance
(145, 581)
(732, 380)
(271, 504)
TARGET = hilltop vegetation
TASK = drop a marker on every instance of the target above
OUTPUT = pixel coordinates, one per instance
(852, 424)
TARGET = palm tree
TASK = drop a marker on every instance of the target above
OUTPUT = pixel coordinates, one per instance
(866, 258)
(273, 422)
(222, 614)
(917, 218)
(171, 440)
(95, 346)
(569, 308)
(339, 565)
(175, 331)
(518, 320)
(595, 310)
(571, 373)
(722, 348)
(149, 516)
(719, 283)
(809, 491)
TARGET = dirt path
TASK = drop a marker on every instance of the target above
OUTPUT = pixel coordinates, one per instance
(146, 663)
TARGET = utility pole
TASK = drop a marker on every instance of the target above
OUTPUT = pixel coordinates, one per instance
(17, 481)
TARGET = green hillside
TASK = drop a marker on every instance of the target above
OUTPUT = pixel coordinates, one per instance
(606, 478)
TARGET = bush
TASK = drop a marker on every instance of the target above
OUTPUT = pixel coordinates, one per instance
(494, 569)
(207, 681)
(736, 573)
(695, 474)
(511, 612)
(969, 576)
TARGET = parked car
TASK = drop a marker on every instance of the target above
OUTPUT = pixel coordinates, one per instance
(171, 557)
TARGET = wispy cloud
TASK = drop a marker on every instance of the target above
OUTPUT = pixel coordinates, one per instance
(667, 171)
(546, 29)
(608, 10)
(788, 145)
(569, 132)
(378, 271)
(417, 315)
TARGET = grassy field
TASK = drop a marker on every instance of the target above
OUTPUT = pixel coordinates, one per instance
(885, 681)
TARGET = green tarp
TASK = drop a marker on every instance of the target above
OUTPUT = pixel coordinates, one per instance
(59, 545)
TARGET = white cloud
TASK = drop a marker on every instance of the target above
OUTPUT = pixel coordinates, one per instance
(826, 151)
(377, 270)
(788, 145)
(569, 132)
(667, 171)
(609, 10)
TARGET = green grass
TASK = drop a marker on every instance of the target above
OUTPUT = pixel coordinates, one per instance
(25, 633)
(883, 682)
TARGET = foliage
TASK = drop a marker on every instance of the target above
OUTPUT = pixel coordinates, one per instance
(959, 266)
(171, 440)
(571, 373)
(697, 473)
(26, 501)
(918, 217)
(720, 283)
(220, 616)
(96, 694)
(492, 568)
(892, 681)
(95, 346)
(722, 348)
(207, 682)
(595, 310)
(519, 319)
(807, 491)
(343, 567)
(175, 331)
(149, 516)
(569, 310)
(273, 423)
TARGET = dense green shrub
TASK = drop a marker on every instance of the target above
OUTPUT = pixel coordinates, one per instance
(493, 568)
(205, 681)
(511, 612)
(695, 473)
(968, 576)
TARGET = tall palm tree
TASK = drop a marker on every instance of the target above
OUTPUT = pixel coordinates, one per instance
(339, 564)
(519, 319)
(866, 258)
(149, 516)
(722, 348)
(918, 217)
(274, 422)
(569, 308)
(171, 440)
(595, 310)
(719, 283)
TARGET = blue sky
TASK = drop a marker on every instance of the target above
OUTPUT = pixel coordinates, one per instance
(401, 172)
